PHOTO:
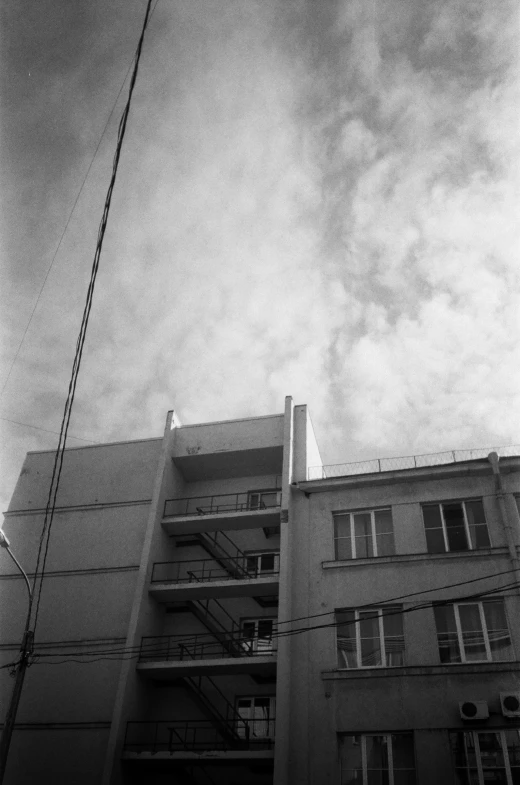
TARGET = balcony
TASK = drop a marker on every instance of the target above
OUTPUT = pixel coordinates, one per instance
(249, 510)
(245, 740)
(201, 578)
(167, 657)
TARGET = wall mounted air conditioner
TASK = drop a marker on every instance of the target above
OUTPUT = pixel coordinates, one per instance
(474, 710)
(510, 704)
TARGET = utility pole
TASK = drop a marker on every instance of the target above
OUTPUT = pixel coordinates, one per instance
(26, 650)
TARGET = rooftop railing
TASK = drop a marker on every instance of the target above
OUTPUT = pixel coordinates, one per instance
(198, 736)
(206, 570)
(222, 503)
(202, 646)
(377, 465)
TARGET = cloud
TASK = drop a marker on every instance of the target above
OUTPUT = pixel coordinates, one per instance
(311, 201)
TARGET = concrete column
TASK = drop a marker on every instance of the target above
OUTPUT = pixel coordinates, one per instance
(112, 768)
(283, 678)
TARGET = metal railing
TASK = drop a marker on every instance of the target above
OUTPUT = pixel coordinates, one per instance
(203, 646)
(377, 465)
(221, 503)
(206, 570)
(197, 736)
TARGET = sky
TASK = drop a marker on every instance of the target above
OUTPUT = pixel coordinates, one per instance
(316, 199)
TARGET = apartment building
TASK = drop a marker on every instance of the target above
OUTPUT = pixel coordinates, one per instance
(219, 607)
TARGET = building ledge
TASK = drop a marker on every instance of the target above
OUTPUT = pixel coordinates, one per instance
(481, 553)
(453, 669)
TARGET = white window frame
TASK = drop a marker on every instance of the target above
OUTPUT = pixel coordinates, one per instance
(478, 755)
(363, 737)
(357, 628)
(253, 645)
(456, 606)
(270, 721)
(251, 505)
(485, 633)
(353, 538)
(258, 556)
(466, 524)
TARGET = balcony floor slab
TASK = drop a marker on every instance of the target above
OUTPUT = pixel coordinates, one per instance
(226, 521)
(248, 587)
(166, 671)
(215, 755)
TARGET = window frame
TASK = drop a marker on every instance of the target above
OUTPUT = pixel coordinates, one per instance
(484, 630)
(352, 537)
(258, 572)
(251, 644)
(479, 768)
(389, 745)
(251, 720)
(467, 531)
(258, 505)
(357, 631)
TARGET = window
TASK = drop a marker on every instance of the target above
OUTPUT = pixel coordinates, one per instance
(455, 526)
(262, 562)
(486, 756)
(256, 635)
(473, 631)
(371, 638)
(261, 500)
(377, 759)
(258, 715)
(359, 535)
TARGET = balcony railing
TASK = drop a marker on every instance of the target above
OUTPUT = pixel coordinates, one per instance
(203, 646)
(377, 465)
(198, 736)
(206, 570)
(222, 503)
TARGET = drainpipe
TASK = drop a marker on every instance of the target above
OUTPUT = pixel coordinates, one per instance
(505, 518)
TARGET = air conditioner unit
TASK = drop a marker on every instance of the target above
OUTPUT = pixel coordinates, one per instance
(474, 710)
(510, 704)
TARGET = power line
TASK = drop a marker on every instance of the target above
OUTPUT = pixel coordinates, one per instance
(46, 430)
(132, 652)
(58, 461)
(67, 225)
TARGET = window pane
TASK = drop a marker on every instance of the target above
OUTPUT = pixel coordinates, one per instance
(472, 633)
(394, 637)
(432, 516)
(383, 522)
(377, 752)
(346, 638)
(513, 746)
(491, 753)
(404, 777)
(447, 633)
(369, 635)
(435, 541)
(363, 535)
(342, 525)
(497, 629)
(267, 562)
(343, 548)
(351, 763)
(268, 499)
(478, 530)
(351, 776)
(455, 530)
(402, 750)
(252, 564)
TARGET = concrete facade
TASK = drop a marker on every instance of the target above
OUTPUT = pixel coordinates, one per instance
(201, 575)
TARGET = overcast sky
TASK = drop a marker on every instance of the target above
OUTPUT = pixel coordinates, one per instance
(315, 197)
